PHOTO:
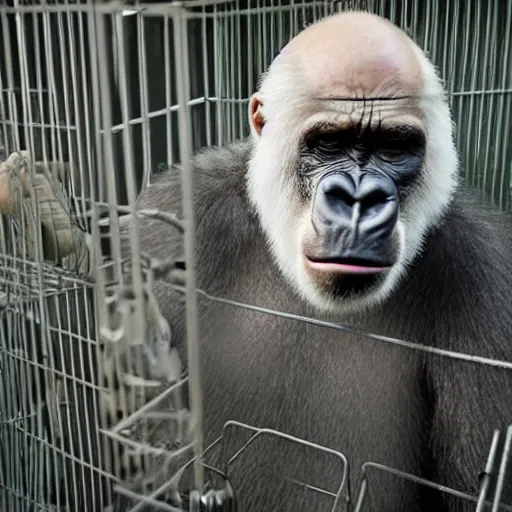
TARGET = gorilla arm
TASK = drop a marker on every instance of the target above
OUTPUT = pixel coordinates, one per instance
(467, 278)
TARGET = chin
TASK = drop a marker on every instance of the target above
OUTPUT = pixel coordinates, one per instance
(341, 278)
(340, 288)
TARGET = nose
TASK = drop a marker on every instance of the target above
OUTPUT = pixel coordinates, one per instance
(366, 207)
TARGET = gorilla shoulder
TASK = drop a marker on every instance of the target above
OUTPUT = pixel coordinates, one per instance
(474, 238)
(464, 274)
(225, 223)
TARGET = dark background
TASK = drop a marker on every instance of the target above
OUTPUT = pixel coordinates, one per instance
(230, 45)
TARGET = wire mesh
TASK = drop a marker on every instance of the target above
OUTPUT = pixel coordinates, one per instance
(95, 95)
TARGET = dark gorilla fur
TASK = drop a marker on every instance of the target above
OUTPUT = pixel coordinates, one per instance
(428, 415)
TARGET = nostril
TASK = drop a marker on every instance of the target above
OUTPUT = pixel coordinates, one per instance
(339, 194)
(374, 198)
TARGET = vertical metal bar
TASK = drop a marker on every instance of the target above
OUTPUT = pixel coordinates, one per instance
(404, 13)
(294, 22)
(26, 397)
(7, 55)
(92, 182)
(136, 283)
(473, 28)
(127, 131)
(39, 79)
(486, 481)
(261, 48)
(230, 74)
(69, 372)
(414, 17)
(206, 77)
(447, 75)
(464, 67)
(250, 54)
(280, 31)
(434, 37)
(144, 100)
(271, 32)
(67, 51)
(217, 80)
(53, 96)
(241, 107)
(68, 57)
(105, 162)
(182, 68)
(507, 448)
(393, 11)
(361, 494)
(168, 96)
(51, 387)
(427, 24)
(36, 242)
(454, 61)
(487, 76)
(6, 397)
(3, 120)
(108, 164)
(504, 109)
(489, 164)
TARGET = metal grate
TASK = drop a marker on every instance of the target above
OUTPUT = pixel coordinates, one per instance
(95, 94)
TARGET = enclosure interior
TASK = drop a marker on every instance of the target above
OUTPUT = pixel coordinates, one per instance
(99, 89)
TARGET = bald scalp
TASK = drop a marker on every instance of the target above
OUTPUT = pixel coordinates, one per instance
(356, 53)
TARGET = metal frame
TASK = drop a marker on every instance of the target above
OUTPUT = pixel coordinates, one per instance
(87, 131)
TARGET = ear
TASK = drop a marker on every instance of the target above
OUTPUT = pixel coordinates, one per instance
(256, 118)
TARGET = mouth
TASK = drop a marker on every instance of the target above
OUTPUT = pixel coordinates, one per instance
(352, 266)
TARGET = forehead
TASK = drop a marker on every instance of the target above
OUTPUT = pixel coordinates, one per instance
(381, 74)
(347, 114)
(356, 56)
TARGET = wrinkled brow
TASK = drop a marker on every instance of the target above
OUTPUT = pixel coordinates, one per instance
(373, 99)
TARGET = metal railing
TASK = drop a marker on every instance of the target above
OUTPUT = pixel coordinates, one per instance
(95, 93)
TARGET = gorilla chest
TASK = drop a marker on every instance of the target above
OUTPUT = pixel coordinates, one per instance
(312, 382)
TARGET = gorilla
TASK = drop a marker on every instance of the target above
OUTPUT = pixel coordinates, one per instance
(344, 205)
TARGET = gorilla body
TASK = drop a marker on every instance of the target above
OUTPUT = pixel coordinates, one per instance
(345, 206)
(425, 414)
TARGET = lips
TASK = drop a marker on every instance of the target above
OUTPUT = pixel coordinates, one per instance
(346, 266)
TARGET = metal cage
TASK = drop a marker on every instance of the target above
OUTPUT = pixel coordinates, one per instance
(94, 98)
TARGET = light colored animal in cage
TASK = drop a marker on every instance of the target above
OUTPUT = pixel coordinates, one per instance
(345, 205)
(39, 202)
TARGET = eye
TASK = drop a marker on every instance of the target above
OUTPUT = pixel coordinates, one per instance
(391, 148)
(326, 144)
(399, 144)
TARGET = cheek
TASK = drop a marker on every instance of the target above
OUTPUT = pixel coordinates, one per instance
(304, 183)
(304, 193)
(304, 229)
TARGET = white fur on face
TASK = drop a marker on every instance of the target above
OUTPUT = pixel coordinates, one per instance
(275, 159)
